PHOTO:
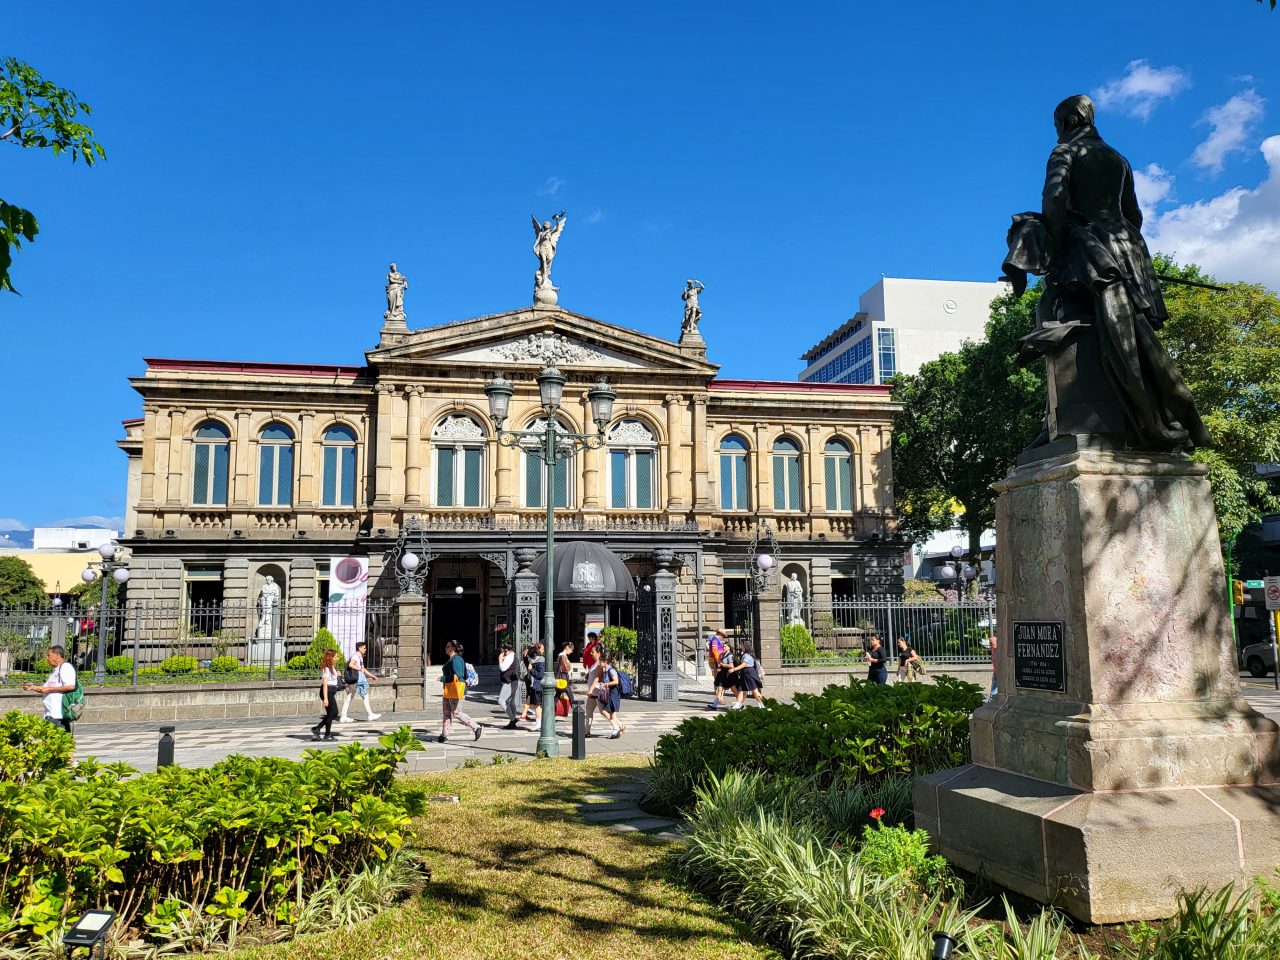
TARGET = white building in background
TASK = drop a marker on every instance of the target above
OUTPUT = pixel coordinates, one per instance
(901, 324)
(71, 538)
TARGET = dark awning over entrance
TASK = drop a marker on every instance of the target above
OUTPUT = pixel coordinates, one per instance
(586, 571)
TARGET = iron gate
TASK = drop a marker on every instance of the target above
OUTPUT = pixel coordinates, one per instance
(646, 645)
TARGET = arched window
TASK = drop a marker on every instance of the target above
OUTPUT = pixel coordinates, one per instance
(275, 466)
(458, 442)
(734, 493)
(837, 465)
(339, 465)
(786, 475)
(212, 465)
(535, 474)
(633, 459)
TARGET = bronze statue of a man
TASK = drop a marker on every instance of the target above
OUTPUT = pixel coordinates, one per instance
(1109, 376)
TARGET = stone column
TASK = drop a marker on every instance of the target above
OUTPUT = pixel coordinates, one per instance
(243, 483)
(411, 652)
(150, 441)
(504, 460)
(866, 489)
(382, 448)
(761, 473)
(173, 481)
(306, 459)
(591, 461)
(701, 455)
(413, 449)
(768, 630)
(817, 476)
(667, 687)
(677, 458)
(526, 590)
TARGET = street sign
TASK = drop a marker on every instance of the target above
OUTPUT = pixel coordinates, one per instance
(1272, 593)
(1253, 584)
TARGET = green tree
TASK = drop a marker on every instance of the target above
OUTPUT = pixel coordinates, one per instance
(35, 113)
(1227, 344)
(85, 595)
(19, 585)
(965, 417)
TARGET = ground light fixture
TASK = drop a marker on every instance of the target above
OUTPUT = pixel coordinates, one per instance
(943, 944)
(90, 931)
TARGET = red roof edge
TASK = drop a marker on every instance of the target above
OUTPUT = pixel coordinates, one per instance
(132, 420)
(250, 366)
(783, 386)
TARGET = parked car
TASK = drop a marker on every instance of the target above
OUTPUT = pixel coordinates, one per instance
(1258, 658)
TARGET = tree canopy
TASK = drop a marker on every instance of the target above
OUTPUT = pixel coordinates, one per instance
(37, 114)
(19, 585)
(968, 414)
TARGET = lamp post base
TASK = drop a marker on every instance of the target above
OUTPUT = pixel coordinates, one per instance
(548, 745)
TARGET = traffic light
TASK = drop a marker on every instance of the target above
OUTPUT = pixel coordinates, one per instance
(1237, 592)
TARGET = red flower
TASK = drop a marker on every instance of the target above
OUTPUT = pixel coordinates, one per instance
(877, 813)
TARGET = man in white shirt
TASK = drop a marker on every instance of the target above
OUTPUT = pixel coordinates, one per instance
(509, 675)
(61, 680)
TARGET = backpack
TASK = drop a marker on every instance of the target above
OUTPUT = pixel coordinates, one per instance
(473, 679)
(759, 668)
(72, 701)
(625, 687)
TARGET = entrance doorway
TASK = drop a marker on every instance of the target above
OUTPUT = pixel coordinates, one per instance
(458, 619)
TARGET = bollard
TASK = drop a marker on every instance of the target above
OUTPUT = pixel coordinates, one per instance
(164, 756)
(579, 733)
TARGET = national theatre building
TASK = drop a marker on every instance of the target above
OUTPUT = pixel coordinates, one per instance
(239, 471)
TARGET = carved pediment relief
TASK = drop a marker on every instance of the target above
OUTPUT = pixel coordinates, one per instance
(540, 349)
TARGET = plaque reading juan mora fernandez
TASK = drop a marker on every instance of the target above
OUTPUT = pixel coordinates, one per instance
(1039, 661)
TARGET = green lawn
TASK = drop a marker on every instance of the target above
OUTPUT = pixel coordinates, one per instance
(516, 874)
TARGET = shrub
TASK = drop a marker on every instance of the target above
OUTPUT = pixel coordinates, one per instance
(904, 855)
(1220, 924)
(311, 659)
(856, 732)
(797, 644)
(179, 664)
(249, 839)
(150, 674)
(621, 640)
(224, 664)
(120, 664)
(31, 747)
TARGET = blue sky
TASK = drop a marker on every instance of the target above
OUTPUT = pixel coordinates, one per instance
(267, 159)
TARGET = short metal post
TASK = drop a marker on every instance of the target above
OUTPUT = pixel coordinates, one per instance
(164, 756)
(579, 733)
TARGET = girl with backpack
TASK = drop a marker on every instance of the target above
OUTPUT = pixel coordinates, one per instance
(606, 688)
(454, 678)
(747, 677)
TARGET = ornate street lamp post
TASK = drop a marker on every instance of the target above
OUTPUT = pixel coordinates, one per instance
(108, 569)
(550, 447)
(958, 571)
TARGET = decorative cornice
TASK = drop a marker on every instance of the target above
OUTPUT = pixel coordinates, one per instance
(457, 428)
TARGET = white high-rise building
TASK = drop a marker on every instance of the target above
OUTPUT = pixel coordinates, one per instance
(901, 324)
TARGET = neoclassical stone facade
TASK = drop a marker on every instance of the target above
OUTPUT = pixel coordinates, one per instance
(238, 471)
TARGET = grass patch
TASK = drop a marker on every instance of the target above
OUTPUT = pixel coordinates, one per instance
(515, 873)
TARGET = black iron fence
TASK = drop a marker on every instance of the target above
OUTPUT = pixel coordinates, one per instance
(819, 634)
(144, 642)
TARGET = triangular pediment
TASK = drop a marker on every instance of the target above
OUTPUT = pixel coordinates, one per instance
(534, 337)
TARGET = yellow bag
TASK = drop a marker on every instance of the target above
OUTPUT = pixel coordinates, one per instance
(455, 689)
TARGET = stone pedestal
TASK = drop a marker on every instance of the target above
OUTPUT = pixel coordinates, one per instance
(411, 652)
(667, 686)
(1140, 769)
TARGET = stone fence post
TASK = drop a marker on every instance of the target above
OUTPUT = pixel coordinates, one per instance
(411, 650)
(768, 631)
(667, 684)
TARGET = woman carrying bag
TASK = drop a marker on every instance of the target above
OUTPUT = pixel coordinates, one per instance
(328, 696)
(454, 678)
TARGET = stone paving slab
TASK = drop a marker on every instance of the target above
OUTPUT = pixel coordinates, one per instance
(643, 825)
(606, 813)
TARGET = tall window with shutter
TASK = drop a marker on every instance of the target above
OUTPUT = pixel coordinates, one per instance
(211, 465)
(734, 492)
(459, 445)
(633, 459)
(338, 463)
(786, 475)
(275, 466)
(837, 465)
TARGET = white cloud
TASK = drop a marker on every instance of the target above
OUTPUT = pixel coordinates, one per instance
(1230, 123)
(1152, 184)
(595, 216)
(1141, 89)
(110, 523)
(9, 524)
(551, 187)
(1235, 235)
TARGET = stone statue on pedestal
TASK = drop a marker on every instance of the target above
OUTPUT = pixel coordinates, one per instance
(692, 310)
(546, 236)
(397, 284)
(1108, 375)
(268, 599)
(793, 598)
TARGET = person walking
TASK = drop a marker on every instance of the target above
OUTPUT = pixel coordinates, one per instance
(747, 677)
(357, 679)
(909, 662)
(593, 704)
(454, 678)
(536, 665)
(877, 662)
(328, 696)
(717, 650)
(606, 689)
(591, 652)
(564, 671)
(509, 677)
(995, 677)
(62, 679)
